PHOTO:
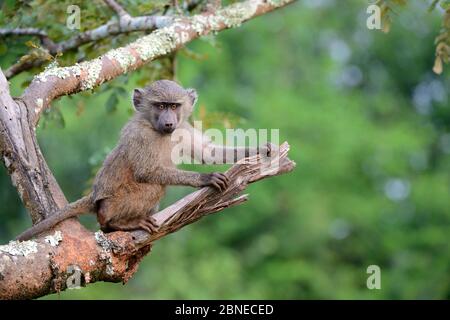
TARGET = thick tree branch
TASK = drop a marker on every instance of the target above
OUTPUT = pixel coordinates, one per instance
(23, 159)
(114, 257)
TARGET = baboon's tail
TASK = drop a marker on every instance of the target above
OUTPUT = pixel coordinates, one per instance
(83, 205)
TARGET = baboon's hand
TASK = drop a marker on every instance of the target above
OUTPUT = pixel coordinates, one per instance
(269, 150)
(217, 180)
(149, 224)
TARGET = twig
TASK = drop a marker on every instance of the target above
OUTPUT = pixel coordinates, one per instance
(117, 8)
(23, 32)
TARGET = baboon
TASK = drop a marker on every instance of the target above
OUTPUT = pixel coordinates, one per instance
(133, 178)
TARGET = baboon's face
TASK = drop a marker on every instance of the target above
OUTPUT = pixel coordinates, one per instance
(165, 116)
(165, 104)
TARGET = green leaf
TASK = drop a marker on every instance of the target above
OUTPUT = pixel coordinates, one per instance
(59, 118)
(122, 91)
(111, 103)
(3, 47)
(445, 4)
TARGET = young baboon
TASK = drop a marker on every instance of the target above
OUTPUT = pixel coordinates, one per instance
(128, 187)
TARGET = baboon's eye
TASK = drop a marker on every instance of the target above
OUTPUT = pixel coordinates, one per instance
(161, 106)
(174, 106)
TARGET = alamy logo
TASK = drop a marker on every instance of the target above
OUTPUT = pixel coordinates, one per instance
(74, 280)
(374, 19)
(191, 146)
(74, 18)
(374, 280)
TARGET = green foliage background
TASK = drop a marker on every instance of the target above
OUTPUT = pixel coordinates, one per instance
(369, 127)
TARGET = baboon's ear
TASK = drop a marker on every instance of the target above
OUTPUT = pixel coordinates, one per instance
(138, 97)
(193, 96)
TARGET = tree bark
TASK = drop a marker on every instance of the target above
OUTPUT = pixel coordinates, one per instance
(23, 159)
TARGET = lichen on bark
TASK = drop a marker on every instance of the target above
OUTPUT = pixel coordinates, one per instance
(19, 248)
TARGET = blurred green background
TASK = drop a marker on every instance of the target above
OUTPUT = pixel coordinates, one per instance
(369, 127)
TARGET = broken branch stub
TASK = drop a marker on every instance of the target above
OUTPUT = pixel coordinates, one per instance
(208, 200)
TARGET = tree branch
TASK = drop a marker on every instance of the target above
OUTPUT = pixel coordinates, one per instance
(117, 8)
(59, 81)
(114, 257)
(46, 42)
(23, 32)
(207, 200)
(125, 24)
(23, 159)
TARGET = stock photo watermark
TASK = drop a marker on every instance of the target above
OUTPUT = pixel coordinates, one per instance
(373, 21)
(190, 146)
(73, 21)
(374, 280)
(74, 280)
